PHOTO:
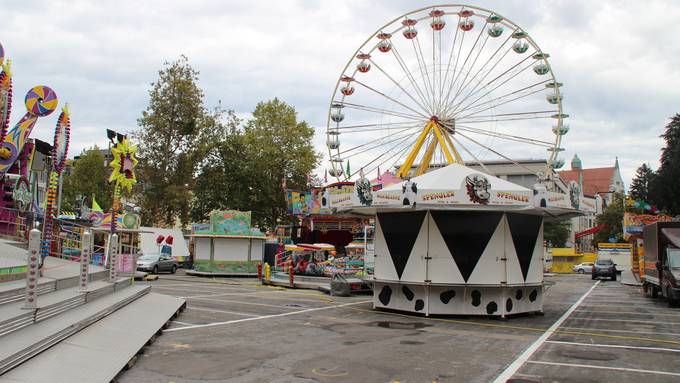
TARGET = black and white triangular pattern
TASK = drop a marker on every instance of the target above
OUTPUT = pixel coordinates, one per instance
(524, 229)
(466, 234)
(401, 231)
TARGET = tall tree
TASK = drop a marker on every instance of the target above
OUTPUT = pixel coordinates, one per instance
(281, 150)
(612, 219)
(245, 166)
(168, 153)
(666, 185)
(642, 183)
(556, 232)
(222, 181)
(88, 177)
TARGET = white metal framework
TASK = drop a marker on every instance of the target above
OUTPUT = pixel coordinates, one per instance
(440, 85)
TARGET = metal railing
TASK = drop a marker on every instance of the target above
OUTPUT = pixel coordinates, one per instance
(15, 224)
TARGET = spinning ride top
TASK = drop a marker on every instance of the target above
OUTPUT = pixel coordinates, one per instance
(441, 85)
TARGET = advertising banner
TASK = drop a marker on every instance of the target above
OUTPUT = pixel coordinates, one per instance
(633, 223)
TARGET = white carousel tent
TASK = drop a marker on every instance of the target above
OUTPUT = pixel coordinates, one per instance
(457, 241)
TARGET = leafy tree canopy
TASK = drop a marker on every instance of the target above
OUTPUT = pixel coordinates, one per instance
(88, 177)
(170, 130)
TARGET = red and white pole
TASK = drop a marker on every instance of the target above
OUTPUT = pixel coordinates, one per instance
(33, 264)
(85, 252)
(113, 256)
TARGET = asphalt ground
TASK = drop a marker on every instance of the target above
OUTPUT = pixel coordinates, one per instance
(235, 330)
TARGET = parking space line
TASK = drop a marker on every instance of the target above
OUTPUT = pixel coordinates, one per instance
(202, 284)
(221, 311)
(524, 357)
(622, 320)
(613, 346)
(625, 312)
(184, 323)
(222, 294)
(627, 331)
(243, 303)
(627, 306)
(200, 287)
(265, 316)
(603, 367)
(621, 302)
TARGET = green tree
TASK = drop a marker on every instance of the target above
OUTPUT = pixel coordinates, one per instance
(280, 149)
(171, 127)
(556, 232)
(222, 179)
(612, 219)
(244, 169)
(642, 183)
(666, 185)
(88, 177)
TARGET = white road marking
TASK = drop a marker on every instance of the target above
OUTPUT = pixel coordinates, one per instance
(202, 284)
(603, 367)
(524, 357)
(627, 331)
(614, 346)
(244, 303)
(627, 306)
(622, 320)
(651, 303)
(184, 323)
(625, 312)
(265, 316)
(198, 288)
(222, 294)
(221, 311)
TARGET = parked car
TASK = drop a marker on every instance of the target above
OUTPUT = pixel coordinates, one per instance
(604, 268)
(582, 268)
(157, 262)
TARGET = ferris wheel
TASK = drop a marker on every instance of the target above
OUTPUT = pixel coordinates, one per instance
(441, 85)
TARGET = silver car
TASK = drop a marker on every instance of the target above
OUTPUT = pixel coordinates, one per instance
(583, 268)
(157, 262)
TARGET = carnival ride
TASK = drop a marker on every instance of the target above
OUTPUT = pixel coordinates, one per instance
(16, 151)
(469, 87)
(441, 85)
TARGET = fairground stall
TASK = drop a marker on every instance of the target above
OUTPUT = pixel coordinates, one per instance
(228, 245)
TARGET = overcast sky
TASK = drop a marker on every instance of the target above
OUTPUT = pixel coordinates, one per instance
(619, 60)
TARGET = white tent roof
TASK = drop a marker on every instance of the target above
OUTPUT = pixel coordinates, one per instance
(453, 177)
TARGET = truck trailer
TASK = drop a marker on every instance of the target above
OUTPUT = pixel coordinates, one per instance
(662, 260)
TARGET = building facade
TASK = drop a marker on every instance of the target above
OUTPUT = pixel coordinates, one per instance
(604, 182)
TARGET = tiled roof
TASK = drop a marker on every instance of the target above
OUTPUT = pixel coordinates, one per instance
(594, 180)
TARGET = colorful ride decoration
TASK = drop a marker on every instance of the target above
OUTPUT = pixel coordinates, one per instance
(40, 101)
(62, 136)
(228, 222)
(5, 94)
(122, 174)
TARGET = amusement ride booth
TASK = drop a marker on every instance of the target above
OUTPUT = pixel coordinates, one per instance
(439, 97)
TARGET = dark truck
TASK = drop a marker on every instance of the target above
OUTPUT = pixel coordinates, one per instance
(662, 260)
